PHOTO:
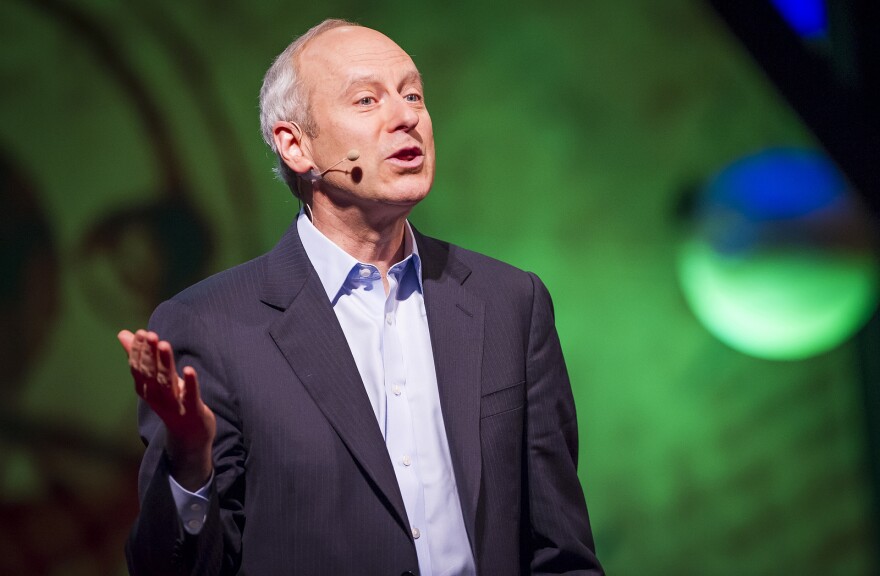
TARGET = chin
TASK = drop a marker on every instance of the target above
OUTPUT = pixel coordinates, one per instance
(407, 193)
(411, 197)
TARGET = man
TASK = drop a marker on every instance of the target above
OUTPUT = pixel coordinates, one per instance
(375, 401)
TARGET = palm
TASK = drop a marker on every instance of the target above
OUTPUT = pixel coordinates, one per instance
(190, 423)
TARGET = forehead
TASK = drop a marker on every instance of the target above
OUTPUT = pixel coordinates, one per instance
(339, 55)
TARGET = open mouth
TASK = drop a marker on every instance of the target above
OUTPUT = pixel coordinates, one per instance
(407, 155)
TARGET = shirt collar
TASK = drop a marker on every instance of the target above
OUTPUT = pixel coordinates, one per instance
(334, 265)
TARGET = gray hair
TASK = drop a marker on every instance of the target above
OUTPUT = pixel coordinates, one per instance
(284, 97)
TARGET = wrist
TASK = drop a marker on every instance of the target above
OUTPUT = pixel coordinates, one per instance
(191, 468)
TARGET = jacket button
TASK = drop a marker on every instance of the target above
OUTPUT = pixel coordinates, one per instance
(408, 573)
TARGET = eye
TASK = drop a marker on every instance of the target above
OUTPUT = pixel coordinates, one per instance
(366, 101)
(413, 97)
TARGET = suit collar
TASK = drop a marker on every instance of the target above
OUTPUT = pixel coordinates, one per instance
(438, 264)
(285, 272)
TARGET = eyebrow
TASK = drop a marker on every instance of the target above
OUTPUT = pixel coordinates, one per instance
(412, 77)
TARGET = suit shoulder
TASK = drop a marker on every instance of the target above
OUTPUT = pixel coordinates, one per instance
(237, 282)
(481, 263)
(484, 270)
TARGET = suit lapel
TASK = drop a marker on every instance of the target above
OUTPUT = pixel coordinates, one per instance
(456, 319)
(311, 339)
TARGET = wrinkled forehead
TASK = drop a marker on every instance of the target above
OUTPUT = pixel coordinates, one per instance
(331, 59)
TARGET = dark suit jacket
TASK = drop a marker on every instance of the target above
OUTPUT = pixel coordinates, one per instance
(303, 481)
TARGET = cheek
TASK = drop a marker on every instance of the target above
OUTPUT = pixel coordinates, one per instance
(426, 134)
(427, 128)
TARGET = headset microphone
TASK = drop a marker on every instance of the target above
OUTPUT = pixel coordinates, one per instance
(351, 157)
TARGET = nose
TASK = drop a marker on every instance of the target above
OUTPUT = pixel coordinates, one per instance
(403, 115)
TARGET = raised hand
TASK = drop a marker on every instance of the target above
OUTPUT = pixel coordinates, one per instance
(190, 423)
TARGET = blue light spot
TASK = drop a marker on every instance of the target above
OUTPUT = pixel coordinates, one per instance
(808, 17)
(778, 183)
(766, 196)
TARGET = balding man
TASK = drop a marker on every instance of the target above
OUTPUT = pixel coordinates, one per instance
(362, 399)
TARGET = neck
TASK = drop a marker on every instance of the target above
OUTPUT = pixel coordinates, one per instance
(370, 238)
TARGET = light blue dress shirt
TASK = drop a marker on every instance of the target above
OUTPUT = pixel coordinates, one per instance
(389, 338)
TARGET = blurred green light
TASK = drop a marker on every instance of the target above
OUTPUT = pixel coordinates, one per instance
(786, 305)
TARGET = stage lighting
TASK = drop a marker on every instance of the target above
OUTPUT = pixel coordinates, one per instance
(778, 260)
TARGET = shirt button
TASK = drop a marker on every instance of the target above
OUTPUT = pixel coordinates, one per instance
(416, 533)
(193, 524)
(406, 461)
(365, 272)
(195, 507)
(396, 390)
(389, 319)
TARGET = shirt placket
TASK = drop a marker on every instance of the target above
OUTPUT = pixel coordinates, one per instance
(400, 436)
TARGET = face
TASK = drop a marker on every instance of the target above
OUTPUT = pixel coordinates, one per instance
(365, 93)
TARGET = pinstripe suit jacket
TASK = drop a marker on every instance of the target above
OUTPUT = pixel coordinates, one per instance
(303, 482)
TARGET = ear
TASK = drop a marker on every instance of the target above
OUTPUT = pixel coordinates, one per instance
(289, 143)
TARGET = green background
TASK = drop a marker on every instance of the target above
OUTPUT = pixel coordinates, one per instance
(567, 135)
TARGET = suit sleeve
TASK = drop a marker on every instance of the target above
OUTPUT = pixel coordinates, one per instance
(560, 535)
(158, 544)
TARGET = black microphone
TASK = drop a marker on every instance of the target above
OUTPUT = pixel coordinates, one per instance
(351, 157)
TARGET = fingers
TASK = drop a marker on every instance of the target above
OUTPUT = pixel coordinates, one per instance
(141, 364)
(126, 338)
(166, 374)
(152, 366)
(191, 395)
(148, 360)
(135, 349)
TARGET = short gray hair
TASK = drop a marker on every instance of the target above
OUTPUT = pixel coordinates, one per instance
(284, 97)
